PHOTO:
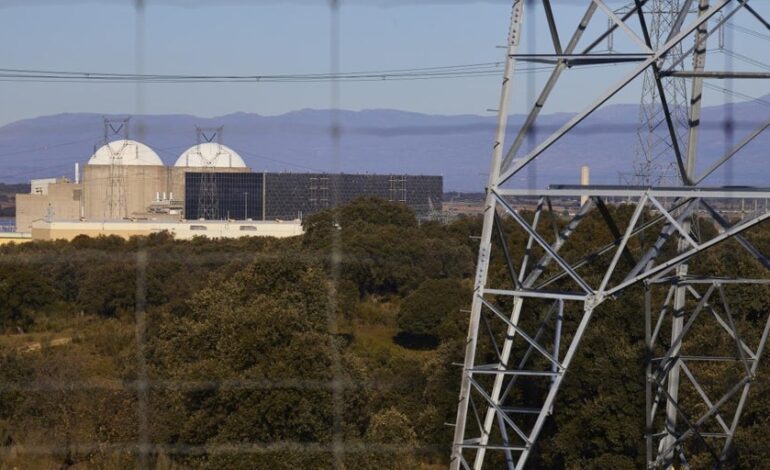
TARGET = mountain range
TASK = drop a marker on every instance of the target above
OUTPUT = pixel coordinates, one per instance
(391, 141)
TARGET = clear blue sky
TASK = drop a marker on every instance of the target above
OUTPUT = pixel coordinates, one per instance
(265, 37)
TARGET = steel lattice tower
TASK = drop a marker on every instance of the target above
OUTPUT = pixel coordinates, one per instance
(208, 197)
(116, 187)
(526, 326)
(654, 162)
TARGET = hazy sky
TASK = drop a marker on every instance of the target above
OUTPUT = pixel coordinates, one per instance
(269, 37)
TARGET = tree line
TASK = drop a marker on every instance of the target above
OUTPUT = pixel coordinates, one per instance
(334, 347)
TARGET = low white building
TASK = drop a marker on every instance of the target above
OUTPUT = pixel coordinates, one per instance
(181, 230)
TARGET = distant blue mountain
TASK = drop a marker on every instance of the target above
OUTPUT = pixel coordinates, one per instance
(387, 141)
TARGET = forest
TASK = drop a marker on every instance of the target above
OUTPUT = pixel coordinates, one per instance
(336, 348)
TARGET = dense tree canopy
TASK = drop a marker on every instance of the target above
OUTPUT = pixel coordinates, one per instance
(259, 353)
(434, 309)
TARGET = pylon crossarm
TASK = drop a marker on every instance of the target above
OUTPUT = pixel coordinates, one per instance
(547, 88)
(612, 27)
(612, 91)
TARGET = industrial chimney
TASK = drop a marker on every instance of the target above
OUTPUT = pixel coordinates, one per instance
(585, 176)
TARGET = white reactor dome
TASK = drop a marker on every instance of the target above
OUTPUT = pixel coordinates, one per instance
(211, 155)
(126, 152)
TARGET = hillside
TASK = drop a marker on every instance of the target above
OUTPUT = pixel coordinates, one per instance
(382, 141)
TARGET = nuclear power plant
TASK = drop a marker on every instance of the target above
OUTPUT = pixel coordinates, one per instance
(125, 189)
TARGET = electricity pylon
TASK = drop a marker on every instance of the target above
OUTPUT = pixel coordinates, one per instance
(654, 149)
(525, 328)
(117, 207)
(208, 196)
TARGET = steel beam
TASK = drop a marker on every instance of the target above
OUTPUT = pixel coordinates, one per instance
(513, 40)
(569, 191)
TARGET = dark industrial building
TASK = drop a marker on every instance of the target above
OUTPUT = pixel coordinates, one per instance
(269, 196)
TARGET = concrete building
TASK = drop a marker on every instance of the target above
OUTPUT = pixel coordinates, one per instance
(123, 179)
(181, 230)
(208, 156)
(125, 189)
(50, 198)
(120, 180)
(14, 237)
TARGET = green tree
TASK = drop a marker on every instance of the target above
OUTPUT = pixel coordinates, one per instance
(434, 308)
(258, 343)
(22, 291)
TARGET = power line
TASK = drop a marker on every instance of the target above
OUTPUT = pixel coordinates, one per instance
(46, 147)
(736, 94)
(749, 31)
(489, 69)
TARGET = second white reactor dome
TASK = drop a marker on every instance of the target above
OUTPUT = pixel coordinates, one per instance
(210, 155)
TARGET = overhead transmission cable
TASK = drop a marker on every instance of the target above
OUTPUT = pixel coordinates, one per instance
(489, 69)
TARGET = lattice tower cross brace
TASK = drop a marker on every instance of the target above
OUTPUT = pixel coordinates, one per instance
(681, 291)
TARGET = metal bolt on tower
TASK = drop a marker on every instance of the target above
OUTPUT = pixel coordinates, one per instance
(526, 327)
